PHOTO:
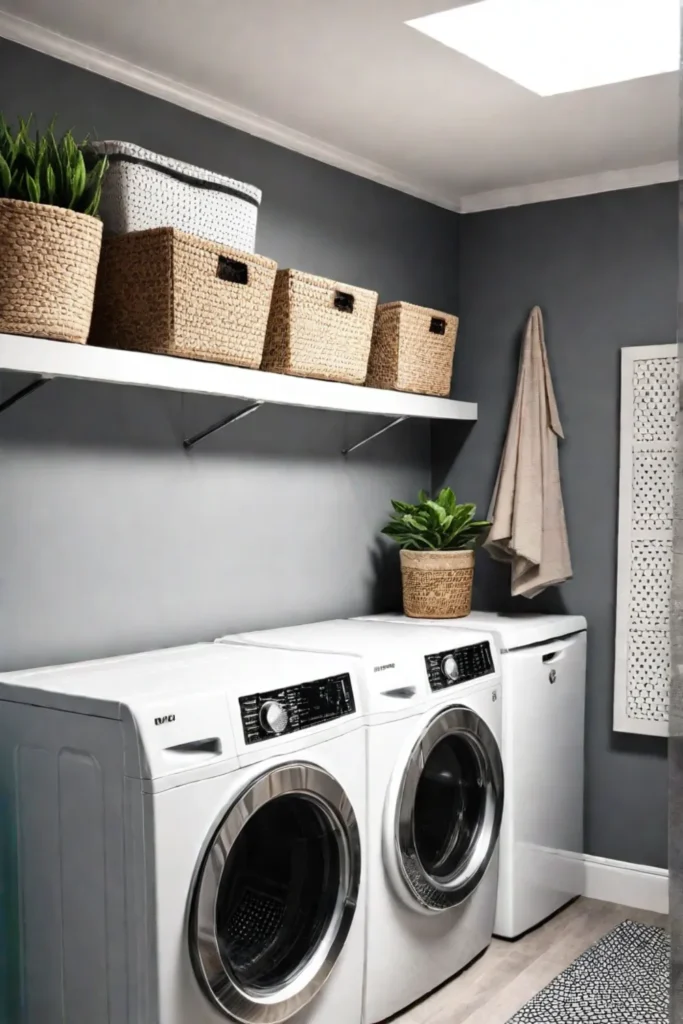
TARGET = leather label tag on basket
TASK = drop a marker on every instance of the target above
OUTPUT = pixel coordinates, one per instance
(438, 325)
(344, 301)
(232, 270)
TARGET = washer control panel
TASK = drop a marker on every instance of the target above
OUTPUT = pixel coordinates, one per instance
(448, 668)
(293, 708)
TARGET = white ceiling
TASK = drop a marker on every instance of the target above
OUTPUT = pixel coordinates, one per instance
(347, 81)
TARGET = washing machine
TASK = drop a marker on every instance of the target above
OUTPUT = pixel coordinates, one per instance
(543, 659)
(435, 797)
(184, 839)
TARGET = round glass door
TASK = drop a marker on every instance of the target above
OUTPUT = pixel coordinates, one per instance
(449, 809)
(276, 894)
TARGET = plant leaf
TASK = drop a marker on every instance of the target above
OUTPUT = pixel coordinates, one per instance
(32, 188)
(78, 177)
(5, 176)
(439, 512)
(447, 500)
(94, 204)
(403, 506)
(50, 184)
(414, 522)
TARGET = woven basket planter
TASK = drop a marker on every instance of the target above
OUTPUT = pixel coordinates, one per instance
(319, 328)
(412, 349)
(48, 268)
(437, 584)
(166, 292)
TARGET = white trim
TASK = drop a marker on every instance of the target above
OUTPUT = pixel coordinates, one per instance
(46, 41)
(55, 45)
(622, 721)
(566, 188)
(634, 885)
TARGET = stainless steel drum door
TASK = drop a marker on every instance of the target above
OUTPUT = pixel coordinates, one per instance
(449, 809)
(276, 894)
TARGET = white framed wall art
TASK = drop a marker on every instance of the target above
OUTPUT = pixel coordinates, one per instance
(642, 663)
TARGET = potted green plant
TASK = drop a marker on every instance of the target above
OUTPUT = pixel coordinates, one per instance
(437, 540)
(50, 235)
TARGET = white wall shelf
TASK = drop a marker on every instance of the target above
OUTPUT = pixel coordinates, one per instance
(54, 359)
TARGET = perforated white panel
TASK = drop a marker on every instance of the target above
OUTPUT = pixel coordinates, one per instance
(646, 495)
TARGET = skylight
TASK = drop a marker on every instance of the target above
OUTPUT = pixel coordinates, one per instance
(556, 46)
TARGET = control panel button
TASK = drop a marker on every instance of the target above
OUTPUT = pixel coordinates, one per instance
(273, 717)
(449, 667)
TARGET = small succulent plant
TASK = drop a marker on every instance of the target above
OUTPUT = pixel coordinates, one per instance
(43, 169)
(438, 525)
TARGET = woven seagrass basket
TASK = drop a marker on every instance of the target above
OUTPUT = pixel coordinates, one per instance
(319, 328)
(166, 292)
(437, 584)
(412, 349)
(48, 267)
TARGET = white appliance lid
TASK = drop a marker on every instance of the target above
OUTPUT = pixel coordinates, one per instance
(510, 630)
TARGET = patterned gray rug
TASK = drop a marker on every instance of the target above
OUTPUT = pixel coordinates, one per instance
(622, 979)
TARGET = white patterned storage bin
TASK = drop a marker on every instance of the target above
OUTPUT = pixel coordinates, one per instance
(143, 190)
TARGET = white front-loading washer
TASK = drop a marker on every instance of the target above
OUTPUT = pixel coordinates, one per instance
(435, 798)
(184, 839)
(543, 666)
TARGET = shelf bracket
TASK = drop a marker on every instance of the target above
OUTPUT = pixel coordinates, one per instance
(190, 442)
(23, 393)
(382, 430)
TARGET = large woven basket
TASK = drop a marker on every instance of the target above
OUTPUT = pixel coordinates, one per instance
(167, 292)
(48, 267)
(319, 328)
(412, 349)
(437, 584)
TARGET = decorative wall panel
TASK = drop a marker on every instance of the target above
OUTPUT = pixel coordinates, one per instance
(642, 667)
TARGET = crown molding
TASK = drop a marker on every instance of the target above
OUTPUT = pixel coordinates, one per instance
(36, 37)
(567, 188)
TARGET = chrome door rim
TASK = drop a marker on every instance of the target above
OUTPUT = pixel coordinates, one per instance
(278, 1004)
(429, 892)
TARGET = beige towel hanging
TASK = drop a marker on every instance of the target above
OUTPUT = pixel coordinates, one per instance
(527, 514)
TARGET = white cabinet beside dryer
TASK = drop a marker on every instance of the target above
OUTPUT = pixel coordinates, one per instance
(543, 741)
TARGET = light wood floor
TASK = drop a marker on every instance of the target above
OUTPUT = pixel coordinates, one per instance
(510, 973)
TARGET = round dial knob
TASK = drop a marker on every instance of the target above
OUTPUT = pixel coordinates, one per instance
(449, 667)
(273, 717)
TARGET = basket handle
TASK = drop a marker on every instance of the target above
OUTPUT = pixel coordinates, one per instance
(233, 271)
(438, 325)
(344, 301)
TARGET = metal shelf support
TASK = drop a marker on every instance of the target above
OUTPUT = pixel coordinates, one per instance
(190, 442)
(23, 393)
(371, 437)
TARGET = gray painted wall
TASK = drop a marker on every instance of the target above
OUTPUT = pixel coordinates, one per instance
(604, 270)
(112, 539)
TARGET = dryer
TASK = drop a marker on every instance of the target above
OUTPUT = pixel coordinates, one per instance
(435, 797)
(543, 661)
(189, 839)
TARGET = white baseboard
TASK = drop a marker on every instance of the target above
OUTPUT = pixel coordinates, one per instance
(634, 885)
